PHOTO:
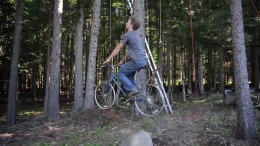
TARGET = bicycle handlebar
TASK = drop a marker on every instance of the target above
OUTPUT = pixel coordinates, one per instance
(105, 65)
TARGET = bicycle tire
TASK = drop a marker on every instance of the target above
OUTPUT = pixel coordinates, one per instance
(104, 95)
(150, 103)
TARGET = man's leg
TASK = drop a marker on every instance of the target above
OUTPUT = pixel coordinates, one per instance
(124, 73)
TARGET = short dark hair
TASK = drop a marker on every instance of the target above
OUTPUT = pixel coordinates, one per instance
(135, 22)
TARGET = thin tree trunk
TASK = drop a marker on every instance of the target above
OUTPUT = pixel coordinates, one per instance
(71, 65)
(78, 91)
(53, 95)
(221, 71)
(209, 67)
(12, 91)
(33, 79)
(182, 61)
(91, 70)
(215, 72)
(67, 66)
(189, 90)
(200, 72)
(47, 76)
(168, 64)
(174, 66)
(246, 123)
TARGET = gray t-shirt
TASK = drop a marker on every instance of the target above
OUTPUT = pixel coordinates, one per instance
(134, 45)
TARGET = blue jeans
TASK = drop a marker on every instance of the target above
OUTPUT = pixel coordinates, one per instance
(127, 72)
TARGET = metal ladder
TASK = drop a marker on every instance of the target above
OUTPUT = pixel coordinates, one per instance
(154, 70)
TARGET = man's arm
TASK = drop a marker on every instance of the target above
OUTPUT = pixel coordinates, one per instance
(115, 52)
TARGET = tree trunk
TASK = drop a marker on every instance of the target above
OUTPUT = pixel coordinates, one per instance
(48, 67)
(168, 64)
(209, 68)
(221, 71)
(246, 123)
(78, 91)
(139, 12)
(182, 63)
(214, 72)
(174, 65)
(200, 71)
(53, 95)
(12, 91)
(91, 70)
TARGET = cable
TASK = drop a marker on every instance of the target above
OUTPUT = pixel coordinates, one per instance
(258, 14)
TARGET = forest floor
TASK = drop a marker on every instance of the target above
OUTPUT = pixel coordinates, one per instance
(205, 122)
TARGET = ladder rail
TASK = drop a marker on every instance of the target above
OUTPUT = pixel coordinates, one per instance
(154, 69)
(158, 80)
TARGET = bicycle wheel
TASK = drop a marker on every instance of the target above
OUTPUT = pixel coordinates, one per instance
(150, 102)
(104, 95)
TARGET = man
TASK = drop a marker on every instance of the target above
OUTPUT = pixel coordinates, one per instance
(135, 56)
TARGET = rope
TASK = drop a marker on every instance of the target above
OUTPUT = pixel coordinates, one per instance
(147, 20)
(110, 25)
(160, 41)
(258, 14)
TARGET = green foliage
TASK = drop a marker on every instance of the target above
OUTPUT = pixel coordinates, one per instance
(41, 144)
(149, 123)
(214, 97)
(100, 130)
(74, 139)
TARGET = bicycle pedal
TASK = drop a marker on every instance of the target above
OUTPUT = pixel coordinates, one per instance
(105, 106)
(129, 100)
(154, 112)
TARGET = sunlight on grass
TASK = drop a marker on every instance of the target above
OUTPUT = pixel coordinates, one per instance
(30, 113)
(200, 101)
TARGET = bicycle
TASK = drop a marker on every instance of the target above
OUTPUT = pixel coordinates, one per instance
(148, 102)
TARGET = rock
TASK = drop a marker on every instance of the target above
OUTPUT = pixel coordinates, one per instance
(140, 138)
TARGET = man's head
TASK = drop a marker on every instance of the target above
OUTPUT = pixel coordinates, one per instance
(134, 21)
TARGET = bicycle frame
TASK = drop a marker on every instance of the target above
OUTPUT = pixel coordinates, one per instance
(149, 102)
(114, 80)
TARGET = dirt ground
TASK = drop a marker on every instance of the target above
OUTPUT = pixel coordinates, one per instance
(197, 123)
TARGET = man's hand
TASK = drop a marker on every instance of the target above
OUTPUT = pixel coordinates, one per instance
(107, 61)
(120, 63)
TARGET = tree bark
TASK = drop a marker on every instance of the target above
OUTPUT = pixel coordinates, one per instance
(48, 68)
(139, 12)
(246, 123)
(78, 91)
(221, 71)
(200, 72)
(91, 70)
(12, 91)
(53, 94)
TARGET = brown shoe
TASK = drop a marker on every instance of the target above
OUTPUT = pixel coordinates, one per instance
(133, 92)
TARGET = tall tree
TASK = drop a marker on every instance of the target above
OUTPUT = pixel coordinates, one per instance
(12, 91)
(139, 12)
(47, 70)
(91, 69)
(52, 109)
(78, 91)
(245, 116)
